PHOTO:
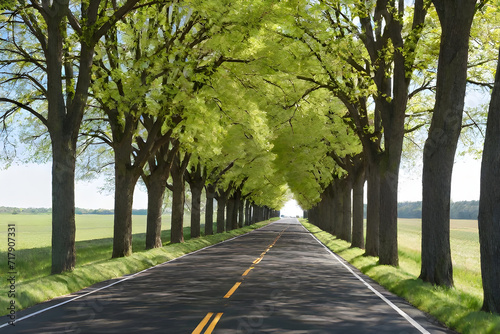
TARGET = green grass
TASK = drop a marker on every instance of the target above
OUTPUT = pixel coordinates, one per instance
(457, 308)
(34, 284)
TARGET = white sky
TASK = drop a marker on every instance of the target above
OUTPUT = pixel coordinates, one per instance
(30, 186)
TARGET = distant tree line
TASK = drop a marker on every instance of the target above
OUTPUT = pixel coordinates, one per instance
(78, 211)
(458, 210)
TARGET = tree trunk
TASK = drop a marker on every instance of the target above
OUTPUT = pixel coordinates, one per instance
(327, 222)
(389, 172)
(63, 205)
(257, 213)
(338, 208)
(63, 123)
(221, 209)
(241, 212)
(230, 209)
(196, 211)
(196, 180)
(125, 181)
(440, 146)
(178, 197)
(358, 235)
(209, 209)
(346, 186)
(489, 210)
(388, 228)
(156, 194)
(373, 209)
(248, 213)
(159, 166)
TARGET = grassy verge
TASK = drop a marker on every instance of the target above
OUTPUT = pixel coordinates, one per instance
(36, 285)
(457, 308)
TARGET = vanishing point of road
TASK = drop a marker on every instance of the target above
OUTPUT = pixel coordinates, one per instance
(277, 279)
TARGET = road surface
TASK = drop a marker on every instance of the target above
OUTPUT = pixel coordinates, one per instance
(278, 279)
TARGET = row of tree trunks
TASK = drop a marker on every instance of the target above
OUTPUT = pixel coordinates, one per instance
(233, 211)
(334, 212)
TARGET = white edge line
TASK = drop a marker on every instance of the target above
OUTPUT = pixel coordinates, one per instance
(388, 302)
(130, 276)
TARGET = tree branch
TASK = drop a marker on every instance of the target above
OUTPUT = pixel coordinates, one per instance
(26, 107)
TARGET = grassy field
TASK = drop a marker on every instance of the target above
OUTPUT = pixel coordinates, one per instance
(34, 283)
(464, 251)
(94, 235)
(458, 308)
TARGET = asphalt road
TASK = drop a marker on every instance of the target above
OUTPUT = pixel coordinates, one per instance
(278, 279)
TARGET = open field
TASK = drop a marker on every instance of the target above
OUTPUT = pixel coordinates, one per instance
(458, 308)
(464, 252)
(94, 235)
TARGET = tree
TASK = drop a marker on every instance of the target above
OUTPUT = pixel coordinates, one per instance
(178, 187)
(489, 211)
(137, 100)
(440, 147)
(196, 177)
(55, 25)
(159, 166)
(362, 63)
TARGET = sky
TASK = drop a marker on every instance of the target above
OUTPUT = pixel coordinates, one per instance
(29, 185)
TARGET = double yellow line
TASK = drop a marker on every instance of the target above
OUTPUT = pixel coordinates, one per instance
(217, 317)
(205, 320)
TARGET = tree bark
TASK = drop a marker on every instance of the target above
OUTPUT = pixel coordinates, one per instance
(221, 209)
(230, 209)
(126, 177)
(178, 198)
(63, 206)
(440, 146)
(159, 166)
(156, 194)
(63, 123)
(358, 235)
(489, 210)
(389, 171)
(327, 206)
(373, 209)
(337, 207)
(241, 212)
(196, 211)
(346, 231)
(257, 213)
(196, 181)
(209, 209)
(248, 213)
(125, 181)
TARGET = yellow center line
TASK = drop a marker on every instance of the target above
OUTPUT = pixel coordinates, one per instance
(247, 271)
(216, 319)
(202, 324)
(213, 323)
(233, 289)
